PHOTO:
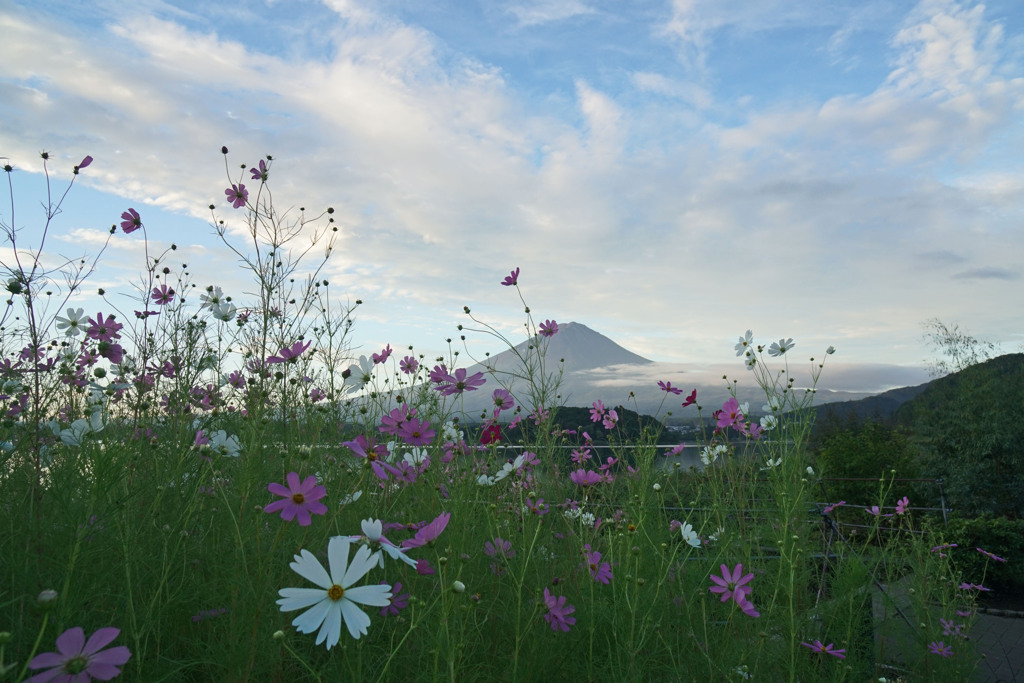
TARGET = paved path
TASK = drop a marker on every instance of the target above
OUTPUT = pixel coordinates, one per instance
(1000, 642)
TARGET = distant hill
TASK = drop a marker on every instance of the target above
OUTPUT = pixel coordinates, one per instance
(880, 406)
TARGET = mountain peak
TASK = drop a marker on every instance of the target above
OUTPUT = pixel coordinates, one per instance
(581, 347)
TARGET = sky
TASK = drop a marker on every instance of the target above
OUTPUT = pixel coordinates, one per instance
(670, 173)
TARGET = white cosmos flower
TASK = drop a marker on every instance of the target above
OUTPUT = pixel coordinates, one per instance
(744, 343)
(224, 444)
(373, 532)
(71, 325)
(780, 347)
(689, 535)
(224, 311)
(768, 423)
(213, 297)
(336, 600)
(770, 464)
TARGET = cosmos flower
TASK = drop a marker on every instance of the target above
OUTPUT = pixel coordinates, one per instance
(826, 649)
(72, 324)
(163, 295)
(743, 345)
(130, 221)
(336, 599)
(237, 195)
(79, 660)
(780, 347)
(298, 499)
(558, 615)
(289, 353)
(512, 278)
(548, 328)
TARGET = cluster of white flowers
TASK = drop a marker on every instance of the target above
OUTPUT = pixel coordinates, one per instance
(587, 518)
(506, 470)
(219, 306)
(709, 454)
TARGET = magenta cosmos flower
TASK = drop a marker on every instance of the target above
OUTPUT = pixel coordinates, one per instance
(599, 571)
(548, 328)
(78, 660)
(458, 382)
(237, 195)
(163, 295)
(103, 329)
(260, 172)
(511, 280)
(289, 353)
(730, 415)
(409, 365)
(582, 477)
(130, 221)
(667, 387)
(415, 432)
(558, 612)
(731, 585)
(826, 649)
(298, 499)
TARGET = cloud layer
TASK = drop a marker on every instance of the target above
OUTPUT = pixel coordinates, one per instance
(651, 176)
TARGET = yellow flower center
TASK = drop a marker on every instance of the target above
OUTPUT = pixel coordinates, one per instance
(335, 592)
(298, 498)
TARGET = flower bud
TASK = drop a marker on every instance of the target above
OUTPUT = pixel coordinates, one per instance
(458, 586)
(46, 598)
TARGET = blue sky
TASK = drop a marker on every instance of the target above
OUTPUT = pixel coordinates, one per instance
(668, 173)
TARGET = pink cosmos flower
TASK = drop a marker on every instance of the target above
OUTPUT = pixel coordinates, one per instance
(667, 387)
(511, 279)
(730, 585)
(415, 432)
(289, 353)
(832, 507)
(940, 648)
(826, 649)
(163, 295)
(583, 477)
(597, 411)
(458, 382)
(366, 450)
(393, 421)
(548, 328)
(80, 660)
(260, 171)
(499, 548)
(103, 329)
(130, 221)
(429, 532)
(990, 555)
(396, 602)
(558, 615)
(730, 415)
(902, 505)
(502, 400)
(691, 399)
(599, 571)
(384, 354)
(439, 374)
(409, 365)
(237, 195)
(84, 162)
(299, 500)
(611, 418)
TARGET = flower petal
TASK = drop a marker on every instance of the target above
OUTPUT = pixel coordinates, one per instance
(337, 555)
(375, 595)
(361, 563)
(356, 619)
(311, 619)
(71, 641)
(299, 598)
(308, 567)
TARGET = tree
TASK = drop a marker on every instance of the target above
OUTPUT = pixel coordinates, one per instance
(959, 349)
